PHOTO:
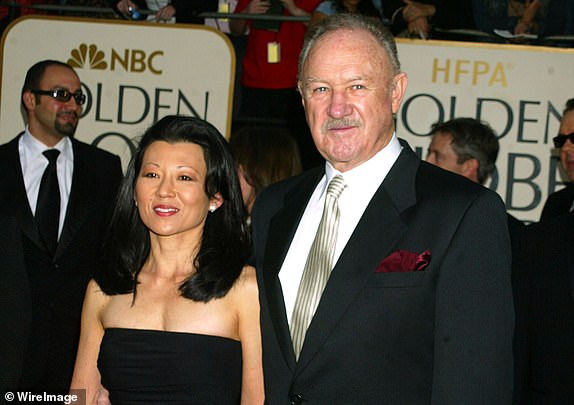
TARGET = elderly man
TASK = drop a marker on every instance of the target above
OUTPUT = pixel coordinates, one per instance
(380, 280)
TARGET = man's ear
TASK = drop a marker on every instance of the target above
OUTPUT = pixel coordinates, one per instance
(470, 169)
(29, 100)
(398, 89)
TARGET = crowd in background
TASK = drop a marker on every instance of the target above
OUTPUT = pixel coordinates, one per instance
(267, 50)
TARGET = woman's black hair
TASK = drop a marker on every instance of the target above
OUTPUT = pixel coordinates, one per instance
(225, 241)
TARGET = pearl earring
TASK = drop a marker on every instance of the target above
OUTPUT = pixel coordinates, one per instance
(212, 208)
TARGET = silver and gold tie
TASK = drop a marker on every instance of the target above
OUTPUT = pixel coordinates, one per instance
(318, 266)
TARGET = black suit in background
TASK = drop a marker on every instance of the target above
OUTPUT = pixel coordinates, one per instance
(56, 285)
(441, 336)
(558, 203)
(548, 283)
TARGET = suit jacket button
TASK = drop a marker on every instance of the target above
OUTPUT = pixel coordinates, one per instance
(296, 399)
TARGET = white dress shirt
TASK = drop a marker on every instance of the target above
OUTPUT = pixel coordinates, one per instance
(361, 184)
(34, 164)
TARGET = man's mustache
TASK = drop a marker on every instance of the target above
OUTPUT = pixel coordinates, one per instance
(74, 113)
(341, 123)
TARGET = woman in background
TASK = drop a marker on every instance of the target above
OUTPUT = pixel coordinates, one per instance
(263, 155)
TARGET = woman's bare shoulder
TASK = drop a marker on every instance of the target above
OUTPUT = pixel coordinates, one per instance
(95, 296)
(246, 283)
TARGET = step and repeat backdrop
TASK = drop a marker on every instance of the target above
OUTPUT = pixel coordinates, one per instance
(136, 72)
(133, 73)
(519, 90)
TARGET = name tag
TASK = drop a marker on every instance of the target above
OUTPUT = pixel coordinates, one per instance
(273, 52)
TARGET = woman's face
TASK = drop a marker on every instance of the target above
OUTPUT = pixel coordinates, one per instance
(170, 189)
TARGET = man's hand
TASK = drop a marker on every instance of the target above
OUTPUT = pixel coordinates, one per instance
(165, 13)
(258, 7)
(124, 5)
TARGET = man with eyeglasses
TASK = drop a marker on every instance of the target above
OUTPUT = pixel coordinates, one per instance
(562, 201)
(59, 192)
(547, 264)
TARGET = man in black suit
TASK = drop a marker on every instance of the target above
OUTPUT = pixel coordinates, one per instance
(58, 267)
(562, 201)
(418, 306)
(549, 286)
(15, 311)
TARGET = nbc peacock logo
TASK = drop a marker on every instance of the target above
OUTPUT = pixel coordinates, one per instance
(87, 57)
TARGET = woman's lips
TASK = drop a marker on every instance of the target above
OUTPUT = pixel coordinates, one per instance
(165, 210)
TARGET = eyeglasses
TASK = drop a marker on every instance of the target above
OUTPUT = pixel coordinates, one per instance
(560, 139)
(63, 95)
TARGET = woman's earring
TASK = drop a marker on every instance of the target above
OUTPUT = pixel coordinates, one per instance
(136, 203)
(212, 208)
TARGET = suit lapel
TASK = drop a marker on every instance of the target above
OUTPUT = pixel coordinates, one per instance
(16, 197)
(281, 232)
(570, 252)
(80, 202)
(378, 231)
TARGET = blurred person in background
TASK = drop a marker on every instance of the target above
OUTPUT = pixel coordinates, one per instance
(562, 201)
(264, 155)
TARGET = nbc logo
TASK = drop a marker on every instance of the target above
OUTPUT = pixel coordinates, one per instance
(130, 60)
(87, 56)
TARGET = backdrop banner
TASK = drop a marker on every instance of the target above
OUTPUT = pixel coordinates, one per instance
(132, 72)
(519, 90)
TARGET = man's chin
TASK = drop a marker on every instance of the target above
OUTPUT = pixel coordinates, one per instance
(67, 129)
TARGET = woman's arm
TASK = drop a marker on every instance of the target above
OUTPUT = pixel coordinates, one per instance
(252, 390)
(86, 375)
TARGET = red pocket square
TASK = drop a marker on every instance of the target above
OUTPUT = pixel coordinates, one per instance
(403, 261)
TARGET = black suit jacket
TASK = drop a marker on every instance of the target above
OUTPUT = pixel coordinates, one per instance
(439, 336)
(56, 285)
(558, 203)
(548, 264)
(15, 304)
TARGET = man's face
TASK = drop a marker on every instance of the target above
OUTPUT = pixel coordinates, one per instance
(350, 95)
(442, 154)
(50, 119)
(567, 150)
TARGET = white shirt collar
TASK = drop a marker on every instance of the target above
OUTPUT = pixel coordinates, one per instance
(373, 171)
(34, 148)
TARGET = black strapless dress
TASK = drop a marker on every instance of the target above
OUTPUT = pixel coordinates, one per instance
(141, 366)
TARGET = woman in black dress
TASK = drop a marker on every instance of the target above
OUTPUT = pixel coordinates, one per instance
(174, 317)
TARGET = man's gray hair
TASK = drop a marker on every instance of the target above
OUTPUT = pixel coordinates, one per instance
(352, 22)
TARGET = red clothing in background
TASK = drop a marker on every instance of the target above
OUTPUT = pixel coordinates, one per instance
(257, 72)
